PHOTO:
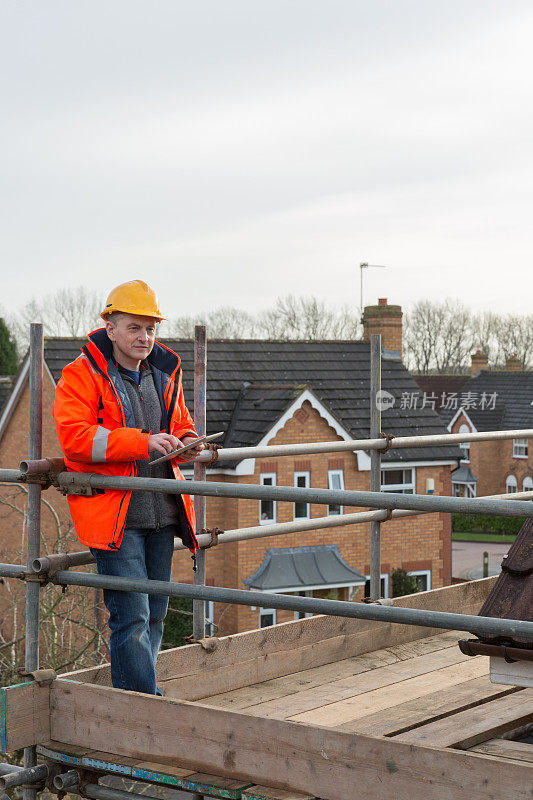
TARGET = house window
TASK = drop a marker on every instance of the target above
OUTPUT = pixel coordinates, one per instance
(527, 485)
(267, 617)
(464, 489)
(520, 449)
(335, 482)
(511, 485)
(384, 585)
(423, 579)
(302, 480)
(464, 447)
(401, 481)
(267, 508)
(304, 614)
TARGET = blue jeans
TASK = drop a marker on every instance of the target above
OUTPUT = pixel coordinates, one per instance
(135, 619)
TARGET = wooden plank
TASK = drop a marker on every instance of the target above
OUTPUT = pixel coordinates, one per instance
(468, 728)
(337, 692)
(519, 751)
(429, 708)
(24, 716)
(292, 646)
(316, 676)
(384, 698)
(268, 793)
(307, 759)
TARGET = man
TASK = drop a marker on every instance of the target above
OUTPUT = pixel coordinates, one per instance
(118, 406)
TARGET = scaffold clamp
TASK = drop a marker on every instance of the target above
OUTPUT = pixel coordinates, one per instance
(214, 534)
(41, 676)
(389, 437)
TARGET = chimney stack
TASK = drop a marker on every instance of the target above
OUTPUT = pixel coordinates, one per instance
(386, 320)
(513, 364)
(480, 361)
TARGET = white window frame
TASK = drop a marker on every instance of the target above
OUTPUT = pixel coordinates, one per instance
(520, 448)
(304, 593)
(274, 477)
(427, 572)
(465, 489)
(263, 613)
(399, 487)
(464, 447)
(307, 475)
(527, 484)
(385, 579)
(340, 473)
(209, 617)
(511, 484)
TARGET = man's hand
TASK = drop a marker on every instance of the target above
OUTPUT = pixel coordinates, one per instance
(189, 455)
(163, 443)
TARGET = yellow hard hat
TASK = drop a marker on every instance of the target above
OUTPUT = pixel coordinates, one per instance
(133, 297)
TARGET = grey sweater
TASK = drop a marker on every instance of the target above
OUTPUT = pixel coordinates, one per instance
(150, 509)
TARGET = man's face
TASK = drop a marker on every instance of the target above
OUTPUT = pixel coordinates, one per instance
(133, 338)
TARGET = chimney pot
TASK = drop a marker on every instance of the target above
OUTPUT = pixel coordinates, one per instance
(387, 321)
(480, 361)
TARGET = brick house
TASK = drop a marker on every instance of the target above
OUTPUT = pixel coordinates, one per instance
(275, 392)
(487, 400)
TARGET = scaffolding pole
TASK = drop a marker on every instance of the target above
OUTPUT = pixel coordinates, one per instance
(289, 494)
(375, 463)
(199, 575)
(273, 451)
(56, 561)
(484, 626)
(33, 540)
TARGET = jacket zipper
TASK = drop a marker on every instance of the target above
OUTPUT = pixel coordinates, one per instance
(87, 353)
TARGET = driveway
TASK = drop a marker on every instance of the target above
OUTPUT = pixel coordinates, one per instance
(467, 558)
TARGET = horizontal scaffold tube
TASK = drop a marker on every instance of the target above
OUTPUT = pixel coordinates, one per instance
(65, 560)
(415, 502)
(487, 626)
(308, 448)
(19, 777)
(12, 570)
(97, 791)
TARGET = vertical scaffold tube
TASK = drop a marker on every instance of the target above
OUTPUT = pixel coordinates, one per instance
(33, 538)
(375, 463)
(200, 368)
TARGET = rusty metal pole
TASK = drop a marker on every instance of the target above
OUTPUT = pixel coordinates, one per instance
(33, 536)
(200, 369)
(375, 463)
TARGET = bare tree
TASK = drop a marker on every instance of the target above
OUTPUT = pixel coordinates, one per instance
(225, 322)
(69, 312)
(485, 328)
(438, 337)
(514, 335)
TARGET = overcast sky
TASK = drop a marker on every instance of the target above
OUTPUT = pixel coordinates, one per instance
(232, 152)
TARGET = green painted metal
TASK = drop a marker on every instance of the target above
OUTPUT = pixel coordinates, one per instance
(142, 773)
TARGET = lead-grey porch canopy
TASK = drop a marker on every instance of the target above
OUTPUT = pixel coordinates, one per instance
(300, 568)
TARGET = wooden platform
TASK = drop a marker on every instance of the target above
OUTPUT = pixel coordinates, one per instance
(319, 708)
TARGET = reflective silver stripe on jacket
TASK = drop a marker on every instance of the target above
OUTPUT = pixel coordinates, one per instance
(100, 444)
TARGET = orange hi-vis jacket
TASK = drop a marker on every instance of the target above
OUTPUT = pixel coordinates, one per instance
(96, 429)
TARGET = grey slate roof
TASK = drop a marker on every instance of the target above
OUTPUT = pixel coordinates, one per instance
(463, 474)
(513, 409)
(250, 383)
(290, 567)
